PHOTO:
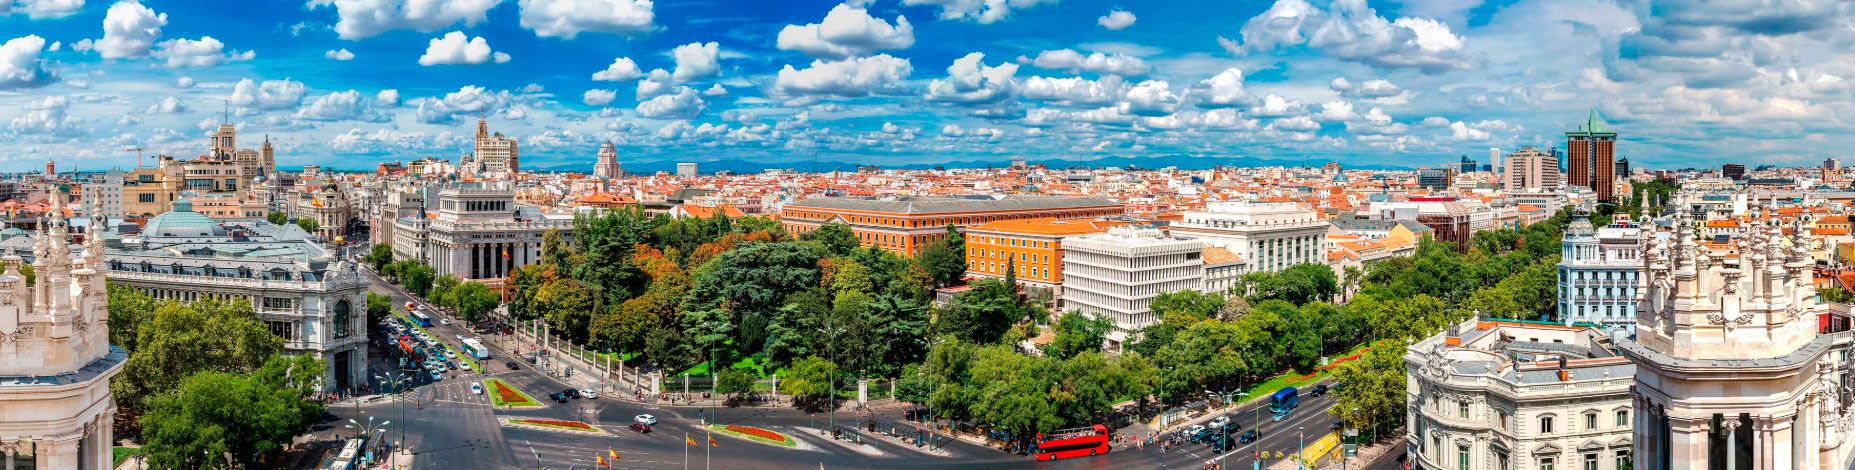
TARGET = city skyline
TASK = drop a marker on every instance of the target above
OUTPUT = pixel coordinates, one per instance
(347, 84)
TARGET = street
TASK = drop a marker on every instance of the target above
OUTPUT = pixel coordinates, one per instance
(447, 426)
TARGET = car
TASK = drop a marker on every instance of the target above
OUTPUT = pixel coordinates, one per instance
(442, 321)
(460, 336)
(476, 389)
(570, 393)
(437, 376)
(464, 366)
(641, 428)
(1318, 390)
(559, 398)
(646, 419)
(1220, 443)
(588, 393)
(1247, 437)
(1220, 421)
(1229, 429)
(512, 365)
(1279, 417)
(450, 355)
(1193, 429)
(1202, 434)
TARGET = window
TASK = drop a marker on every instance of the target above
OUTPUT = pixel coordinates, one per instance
(145, 197)
(1502, 421)
(1623, 418)
(1623, 459)
(279, 303)
(1590, 461)
(1590, 421)
(1462, 409)
(1462, 457)
(1500, 461)
(1545, 463)
(1545, 425)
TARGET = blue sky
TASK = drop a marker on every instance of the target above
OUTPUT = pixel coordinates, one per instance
(348, 83)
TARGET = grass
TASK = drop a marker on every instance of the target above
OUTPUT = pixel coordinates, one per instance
(1263, 390)
(474, 366)
(489, 387)
(755, 363)
(576, 427)
(788, 442)
(120, 454)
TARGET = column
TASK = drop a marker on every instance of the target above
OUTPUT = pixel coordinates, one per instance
(106, 430)
(62, 452)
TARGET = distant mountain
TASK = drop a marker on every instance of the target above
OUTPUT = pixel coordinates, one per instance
(1184, 162)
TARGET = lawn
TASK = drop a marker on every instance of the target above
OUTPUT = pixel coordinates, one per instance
(122, 453)
(501, 394)
(755, 363)
(474, 366)
(754, 434)
(1291, 379)
(574, 426)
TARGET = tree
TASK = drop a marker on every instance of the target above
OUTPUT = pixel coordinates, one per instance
(308, 224)
(981, 315)
(441, 289)
(1077, 333)
(472, 300)
(945, 259)
(733, 381)
(379, 307)
(213, 414)
(277, 218)
(1373, 388)
(568, 307)
(379, 256)
(749, 283)
(811, 381)
(128, 308)
(837, 239)
(1192, 304)
(179, 340)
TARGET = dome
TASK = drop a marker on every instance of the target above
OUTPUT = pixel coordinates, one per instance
(182, 222)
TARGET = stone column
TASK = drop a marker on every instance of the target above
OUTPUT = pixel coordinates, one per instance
(62, 452)
(106, 434)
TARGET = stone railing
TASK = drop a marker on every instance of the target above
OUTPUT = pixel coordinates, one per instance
(254, 283)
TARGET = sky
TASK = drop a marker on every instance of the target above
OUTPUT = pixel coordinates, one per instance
(349, 83)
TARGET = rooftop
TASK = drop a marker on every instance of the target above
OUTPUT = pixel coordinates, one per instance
(953, 204)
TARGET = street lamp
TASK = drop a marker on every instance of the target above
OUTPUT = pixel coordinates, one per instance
(831, 398)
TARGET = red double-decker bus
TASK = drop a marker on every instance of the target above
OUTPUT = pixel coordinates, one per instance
(1066, 443)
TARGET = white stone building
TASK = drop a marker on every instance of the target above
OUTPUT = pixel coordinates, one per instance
(479, 234)
(1598, 272)
(1268, 236)
(1117, 274)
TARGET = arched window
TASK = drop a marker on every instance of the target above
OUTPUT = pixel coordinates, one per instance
(343, 327)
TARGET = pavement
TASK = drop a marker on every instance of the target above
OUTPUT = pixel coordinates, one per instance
(447, 426)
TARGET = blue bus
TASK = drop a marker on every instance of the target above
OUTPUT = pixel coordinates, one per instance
(421, 318)
(1284, 401)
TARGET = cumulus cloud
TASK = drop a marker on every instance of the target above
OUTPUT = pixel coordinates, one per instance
(203, 52)
(129, 30)
(1460, 131)
(268, 95)
(1335, 111)
(468, 100)
(1150, 98)
(716, 90)
(1378, 88)
(1351, 30)
(1075, 91)
(1225, 90)
(169, 105)
(657, 83)
(1277, 106)
(979, 11)
(1295, 124)
(856, 77)
(455, 49)
(1116, 20)
(621, 70)
(568, 18)
(387, 97)
(20, 65)
(684, 103)
(597, 97)
(847, 31)
(696, 61)
(342, 106)
(183, 82)
(1106, 64)
(362, 19)
(342, 54)
(46, 116)
(41, 9)
(970, 81)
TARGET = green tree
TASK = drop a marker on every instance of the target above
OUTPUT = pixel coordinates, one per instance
(1188, 303)
(128, 308)
(811, 381)
(568, 306)
(735, 382)
(179, 340)
(441, 290)
(379, 256)
(213, 414)
(837, 239)
(1205, 352)
(379, 307)
(308, 224)
(1373, 389)
(472, 300)
(749, 283)
(945, 259)
(981, 315)
(277, 218)
(1077, 333)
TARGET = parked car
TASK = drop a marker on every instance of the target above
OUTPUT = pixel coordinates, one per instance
(641, 428)
(588, 393)
(437, 376)
(512, 365)
(1247, 437)
(646, 419)
(476, 389)
(442, 321)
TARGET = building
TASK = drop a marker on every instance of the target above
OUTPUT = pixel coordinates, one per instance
(1494, 159)
(1467, 165)
(106, 190)
(905, 225)
(1732, 368)
(1832, 164)
(686, 170)
(1506, 395)
(1623, 168)
(304, 293)
(1116, 275)
(1033, 246)
(1598, 273)
(1733, 171)
(492, 153)
(1268, 236)
(1529, 169)
(1591, 151)
(326, 204)
(1434, 179)
(606, 165)
(56, 410)
(481, 234)
(1447, 219)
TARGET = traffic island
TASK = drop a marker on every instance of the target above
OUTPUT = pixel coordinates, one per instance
(502, 394)
(755, 434)
(553, 424)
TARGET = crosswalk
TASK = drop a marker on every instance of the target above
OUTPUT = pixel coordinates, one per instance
(563, 453)
(456, 391)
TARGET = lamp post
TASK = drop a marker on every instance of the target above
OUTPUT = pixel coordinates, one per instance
(398, 379)
(831, 389)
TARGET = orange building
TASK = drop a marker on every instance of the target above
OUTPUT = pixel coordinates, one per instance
(1035, 246)
(906, 225)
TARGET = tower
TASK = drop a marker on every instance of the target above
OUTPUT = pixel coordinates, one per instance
(224, 142)
(1731, 369)
(267, 157)
(606, 166)
(1592, 151)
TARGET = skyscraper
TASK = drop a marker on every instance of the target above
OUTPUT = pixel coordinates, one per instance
(607, 164)
(1592, 151)
(1529, 169)
(494, 152)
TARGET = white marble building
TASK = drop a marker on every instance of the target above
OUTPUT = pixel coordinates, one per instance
(1117, 274)
(1268, 236)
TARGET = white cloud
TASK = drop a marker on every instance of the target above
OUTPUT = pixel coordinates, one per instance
(454, 49)
(1335, 111)
(203, 52)
(1150, 98)
(466, 100)
(658, 83)
(970, 81)
(1351, 30)
(1460, 131)
(847, 32)
(621, 70)
(569, 18)
(1225, 90)
(271, 94)
(129, 30)
(1295, 124)
(696, 61)
(169, 105)
(362, 19)
(861, 76)
(716, 90)
(20, 65)
(598, 97)
(1115, 64)
(342, 54)
(341, 106)
(387, 97)
(1075, 91)
(183, 82)
(980, 11)
(1277, 106)
(1116, 20)
(685, 103)
(1378, 88)
(41, 9)
(47, 116)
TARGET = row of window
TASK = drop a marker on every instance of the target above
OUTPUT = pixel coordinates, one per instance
(940, 222)
(1546, 422)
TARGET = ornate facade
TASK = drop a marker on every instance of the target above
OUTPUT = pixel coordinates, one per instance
(607, 164)
(1732, 369)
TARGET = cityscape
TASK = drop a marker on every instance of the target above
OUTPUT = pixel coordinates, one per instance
(1270, 234)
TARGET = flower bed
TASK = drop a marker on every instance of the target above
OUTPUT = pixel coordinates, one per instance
(501, 394)
(574, 426)
(755, 434)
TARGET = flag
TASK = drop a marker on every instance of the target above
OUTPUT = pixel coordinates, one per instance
(688, 440)
(599, 460)
(315, 202)
(505, 253)
(712, 441)
(614, 453)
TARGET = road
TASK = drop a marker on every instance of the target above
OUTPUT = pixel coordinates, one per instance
(449, 427)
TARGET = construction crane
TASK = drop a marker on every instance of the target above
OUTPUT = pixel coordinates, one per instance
(138, 152)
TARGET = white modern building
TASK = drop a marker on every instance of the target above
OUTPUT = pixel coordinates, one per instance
(686, 170)
(1268, 236)
(1598, 273)
(1505, 395)
(1117, 274)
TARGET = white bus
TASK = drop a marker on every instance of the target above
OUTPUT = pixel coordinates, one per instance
(475, 348)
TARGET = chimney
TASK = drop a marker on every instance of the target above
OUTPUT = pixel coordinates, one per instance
(1454, 336)
(1565, 375)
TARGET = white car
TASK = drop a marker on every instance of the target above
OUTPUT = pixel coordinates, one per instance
(588, 393)
(463, 365)
(1193, 429)
(459, 337)
(647, 419)
(448, 354)
(1220, 421)
(442, 321)
(476, 388)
